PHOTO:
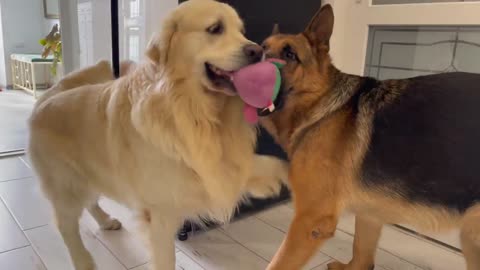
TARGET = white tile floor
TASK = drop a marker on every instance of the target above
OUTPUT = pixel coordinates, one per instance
(29, 241)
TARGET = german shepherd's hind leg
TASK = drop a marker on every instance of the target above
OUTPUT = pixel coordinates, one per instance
(470, 238)
(103, 219)
(367, 234)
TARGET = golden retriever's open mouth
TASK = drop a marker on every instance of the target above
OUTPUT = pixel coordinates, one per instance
(220, 79)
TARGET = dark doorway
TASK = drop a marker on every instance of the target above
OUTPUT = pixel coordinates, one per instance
(260, 16)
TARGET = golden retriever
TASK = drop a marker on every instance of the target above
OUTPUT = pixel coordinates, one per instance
(168, 138)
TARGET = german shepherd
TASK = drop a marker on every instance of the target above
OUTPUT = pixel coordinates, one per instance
(393, 151)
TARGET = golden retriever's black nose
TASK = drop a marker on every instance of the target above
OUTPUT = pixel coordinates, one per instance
(253, 52)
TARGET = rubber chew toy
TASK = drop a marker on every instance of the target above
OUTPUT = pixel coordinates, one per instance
(258, 86)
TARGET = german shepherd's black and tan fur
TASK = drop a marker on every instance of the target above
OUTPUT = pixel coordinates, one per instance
(394, 151)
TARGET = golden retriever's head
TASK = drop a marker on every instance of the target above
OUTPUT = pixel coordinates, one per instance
(203, 40)
(306, 76)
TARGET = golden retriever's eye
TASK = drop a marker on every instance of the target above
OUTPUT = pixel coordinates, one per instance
(289, 53)
(215, 29)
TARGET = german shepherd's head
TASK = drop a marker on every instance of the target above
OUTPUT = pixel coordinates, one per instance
(307, 76)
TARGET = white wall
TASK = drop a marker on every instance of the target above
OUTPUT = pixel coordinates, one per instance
(102, 36)
(340, 9)
(49, 23)
(156, 11)
(3, 74)
(23, 25)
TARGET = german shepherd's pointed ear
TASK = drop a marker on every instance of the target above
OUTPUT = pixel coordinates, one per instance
(159, 45)
(320, 28)
(276, 29)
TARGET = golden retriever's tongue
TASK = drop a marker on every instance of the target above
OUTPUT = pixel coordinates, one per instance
(250, 114)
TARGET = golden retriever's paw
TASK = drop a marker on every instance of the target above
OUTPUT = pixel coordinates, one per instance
(260, 189)
(111, 225)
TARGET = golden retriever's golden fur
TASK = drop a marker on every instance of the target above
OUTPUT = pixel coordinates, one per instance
(162, 139)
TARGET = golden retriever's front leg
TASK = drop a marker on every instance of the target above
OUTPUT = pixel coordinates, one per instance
(162, 229)
(268, 175)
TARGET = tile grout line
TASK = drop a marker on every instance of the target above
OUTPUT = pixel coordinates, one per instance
(234, 240)
(275, 227)
(331, 260)
(186, 253)
(386, 251)
(284, 233)
(36, 227)
(193, 259)
(25, 162)
(13, 249)
(24, 234)
(105, 246)
(17, 179)
(137, 266)
(424, 239)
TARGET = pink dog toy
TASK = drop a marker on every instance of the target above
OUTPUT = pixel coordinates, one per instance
(258, 86)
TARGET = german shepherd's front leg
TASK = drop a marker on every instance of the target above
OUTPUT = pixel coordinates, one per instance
(316, 215)
(306, 234)
(367, 234)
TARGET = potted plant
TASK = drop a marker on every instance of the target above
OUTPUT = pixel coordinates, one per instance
(52, 45)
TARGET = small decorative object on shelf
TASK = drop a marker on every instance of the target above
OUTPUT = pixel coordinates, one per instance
(52, 45)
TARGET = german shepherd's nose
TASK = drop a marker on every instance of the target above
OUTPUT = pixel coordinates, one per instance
(253, 52)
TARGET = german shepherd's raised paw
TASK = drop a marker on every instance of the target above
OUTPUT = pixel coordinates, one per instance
(395, 151)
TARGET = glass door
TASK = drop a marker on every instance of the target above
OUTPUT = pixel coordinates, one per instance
(403, 38)
(132, 25)
(87, 29)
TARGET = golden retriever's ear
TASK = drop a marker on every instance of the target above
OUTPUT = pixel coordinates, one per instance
(276, 29)
(320, 28)
(159, 46)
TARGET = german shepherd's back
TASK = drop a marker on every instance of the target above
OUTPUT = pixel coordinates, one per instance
(425, 144)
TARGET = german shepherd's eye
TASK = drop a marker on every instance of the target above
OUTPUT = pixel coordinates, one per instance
(216, 29)
(289, 53)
